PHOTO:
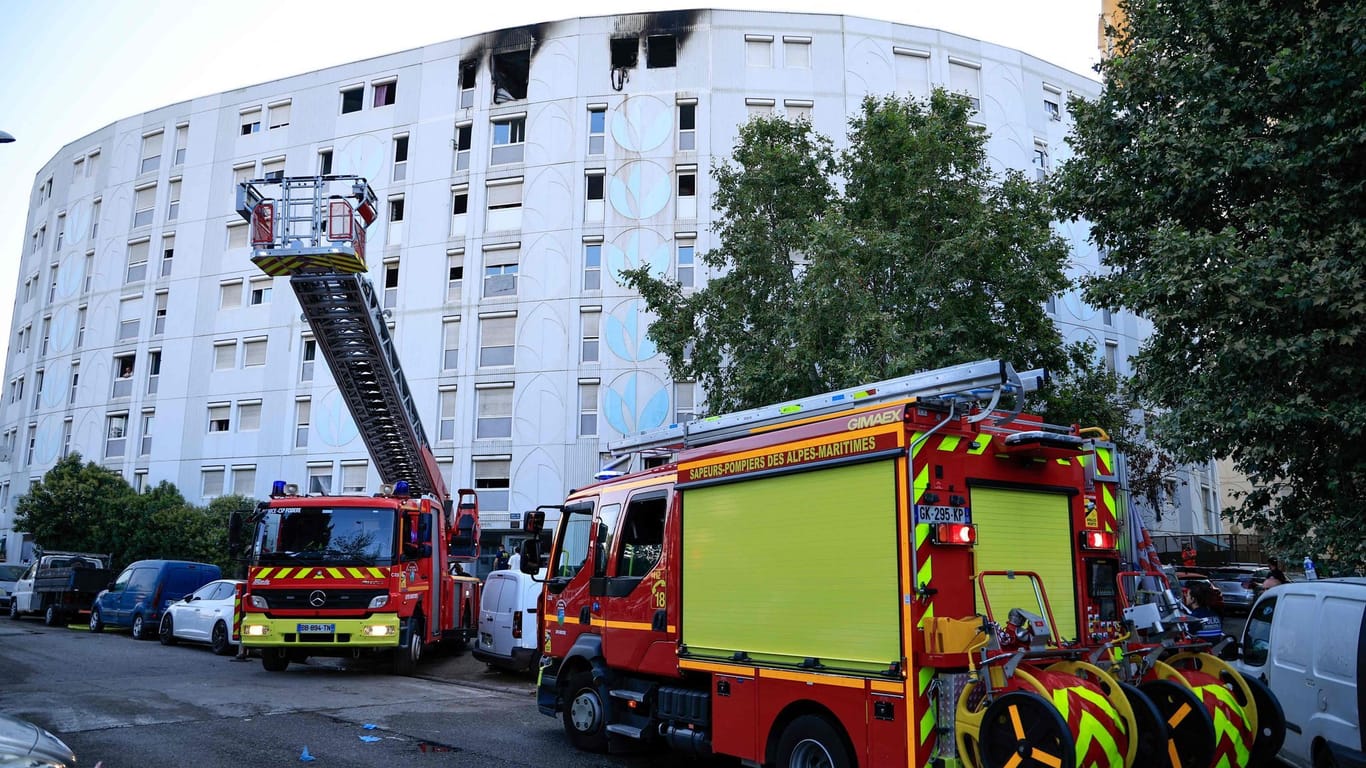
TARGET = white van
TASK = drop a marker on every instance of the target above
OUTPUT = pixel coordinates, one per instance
(1306, 640)
(508, 611)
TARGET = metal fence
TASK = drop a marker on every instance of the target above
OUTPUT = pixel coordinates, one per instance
(1219, 549)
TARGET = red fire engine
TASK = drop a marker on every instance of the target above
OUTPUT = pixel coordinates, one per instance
(344, 575)
(898, 574)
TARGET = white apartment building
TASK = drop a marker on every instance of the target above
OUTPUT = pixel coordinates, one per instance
(519, 171)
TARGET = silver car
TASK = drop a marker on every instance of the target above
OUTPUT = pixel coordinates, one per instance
(1239, 587)
(24, 744)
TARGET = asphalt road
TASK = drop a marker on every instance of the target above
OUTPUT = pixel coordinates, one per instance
(127, 704)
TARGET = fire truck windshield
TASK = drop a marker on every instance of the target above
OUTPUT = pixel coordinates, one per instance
(344, 535)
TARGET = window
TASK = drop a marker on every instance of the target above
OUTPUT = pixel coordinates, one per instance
(80, 326)
(460, 205)
(115, 435)
(798, 109)
(38, 377)
(588, 407)
(173, 201)
(1051, 305)
(273, 169)
(687, 191)
(400, 157)
(353, 476)
(684, 269)
(509, 139)
(511, 71)
(757, 107)
(500, 271)
(320, 478)
(77, 169)
(625, 52)
(455, 275)
(61, 231)
(279, 114)
(244, 480)
(16, 389)
(95, 219)
(248, 415)
(395, 210)
(47, 335)
(182, 139)
(324, 162)
(302, 414)
(796, 52)
(661, 51)
(241, 173)
(220, 417)
(253, 352)
(137, 261)
(211, 480)
(592, 266)
(144, 200)
(1111, 355)
(446, 417)
(1107, 317)
(230, 294)
(145, 446)
(261, 288)
(75, 383)
(504, 204)
(390, 283)
(66, 445)
(1040, 160)
(685, 402)
(237, 235)
(597, 129)
(497, 334)
(352, 99)
(1257, 633)
(469, 68)
(492, 480)
(594, 206)
(687, 125)
(224, 355)
(463, 133)
(1052, 101)
(251, 121)
(89, 272)
(450, 334)
(159, 303)
(759, 50)
(965, 77)
(92, 163)
(590, 324)
(310, 354)
(123, 374)
(151, 152)
(385, 93)
(153, 371)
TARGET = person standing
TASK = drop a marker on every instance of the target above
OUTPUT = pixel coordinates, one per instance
(1276, 577)
(1201, 602)
(1188, 555)
(501, 561)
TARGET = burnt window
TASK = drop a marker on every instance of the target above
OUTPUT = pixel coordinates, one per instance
(661, 51)
(625, 52)
(468, 69)
(511, 70)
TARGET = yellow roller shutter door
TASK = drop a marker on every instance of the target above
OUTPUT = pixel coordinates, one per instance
(1026, 531)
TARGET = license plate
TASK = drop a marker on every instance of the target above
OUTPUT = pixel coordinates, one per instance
(934, 515)
(317, 629)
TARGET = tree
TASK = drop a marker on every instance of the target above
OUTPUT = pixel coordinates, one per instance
(76, 507)
(923, 259)
(1223, 169)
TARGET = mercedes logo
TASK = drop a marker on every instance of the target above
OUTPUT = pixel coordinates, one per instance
(317, 598)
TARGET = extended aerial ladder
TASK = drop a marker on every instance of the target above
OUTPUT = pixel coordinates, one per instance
(312, 230)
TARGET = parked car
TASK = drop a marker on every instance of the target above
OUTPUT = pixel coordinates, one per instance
(1306, 640)
(138, 597)
(9, 574)
(203, 616)
(59, 586)
(1236, 588)
(25, 745)
(507, 621)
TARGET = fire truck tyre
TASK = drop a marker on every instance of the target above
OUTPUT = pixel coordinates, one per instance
(219, 640)
(585, 713)
(1024, 729)
(407, 656)
(1190, 735)
(140, 628)
(1152, 729)
(96, 621)
(53, 616)
(274, 659)
(811, 741)
(1270, 724)
(166, 632)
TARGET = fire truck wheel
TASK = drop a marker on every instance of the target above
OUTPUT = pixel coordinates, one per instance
(1190, 734)
(1022, 728)
(1152, 729)
(96, 621)
(1270, 724)
(407, 656)
(585, 713)
(166, 632)
(274, 659)
(53, 616)
(140, 628)
(219, 642)
(811, 741)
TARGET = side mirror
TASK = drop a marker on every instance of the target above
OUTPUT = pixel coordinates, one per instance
(1229, 650)
(534, 521)
(530, 562)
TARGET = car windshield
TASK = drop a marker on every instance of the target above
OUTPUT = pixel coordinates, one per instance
(350, 535)
(11, 572)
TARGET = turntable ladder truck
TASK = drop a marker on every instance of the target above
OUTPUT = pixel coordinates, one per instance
(349, 575)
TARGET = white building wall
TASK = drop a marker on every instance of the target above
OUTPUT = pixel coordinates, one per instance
(821, 63)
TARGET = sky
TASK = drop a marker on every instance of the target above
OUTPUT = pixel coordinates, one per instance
(74, 66)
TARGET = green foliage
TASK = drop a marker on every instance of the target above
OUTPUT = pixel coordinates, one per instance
(917, 258)
(1222, 170)
(90, 508)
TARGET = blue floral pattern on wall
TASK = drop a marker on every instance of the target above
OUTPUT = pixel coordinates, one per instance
(628, 410)
(635, 248)
(642, 123)
(625, 332)
(639, 190)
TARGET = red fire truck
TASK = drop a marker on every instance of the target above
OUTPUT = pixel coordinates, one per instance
(892, 575)
(346, 575)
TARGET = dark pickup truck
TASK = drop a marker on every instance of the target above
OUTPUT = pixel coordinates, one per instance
(60, 585)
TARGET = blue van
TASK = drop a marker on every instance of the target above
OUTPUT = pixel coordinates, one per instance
(137, 598)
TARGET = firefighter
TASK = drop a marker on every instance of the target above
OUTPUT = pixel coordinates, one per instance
(1188, 555)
